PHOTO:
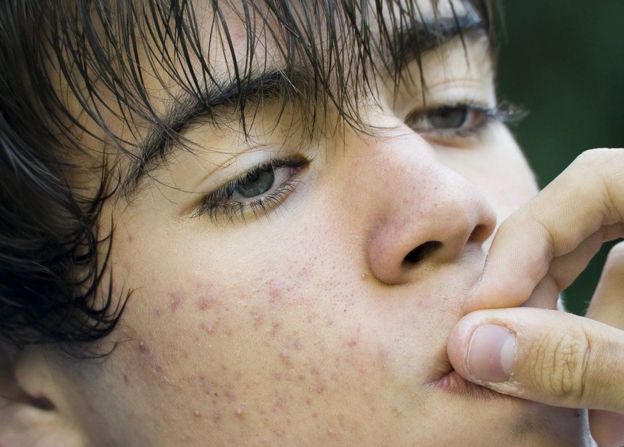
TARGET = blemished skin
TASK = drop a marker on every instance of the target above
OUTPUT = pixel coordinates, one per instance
(306, 325)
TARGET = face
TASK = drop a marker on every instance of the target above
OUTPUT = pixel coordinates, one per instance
(295, 290)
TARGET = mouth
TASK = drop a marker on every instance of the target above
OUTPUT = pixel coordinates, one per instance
(453, 383)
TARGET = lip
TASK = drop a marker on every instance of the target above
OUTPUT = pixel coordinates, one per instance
(451, 382)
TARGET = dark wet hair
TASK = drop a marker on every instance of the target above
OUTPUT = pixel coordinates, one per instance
(68, 67)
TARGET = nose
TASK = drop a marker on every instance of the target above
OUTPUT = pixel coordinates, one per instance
(422, 213)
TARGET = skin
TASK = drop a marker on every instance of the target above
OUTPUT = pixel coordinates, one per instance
(560, 359)
(305, 326)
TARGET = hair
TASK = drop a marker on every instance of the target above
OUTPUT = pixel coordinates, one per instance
(68, 68)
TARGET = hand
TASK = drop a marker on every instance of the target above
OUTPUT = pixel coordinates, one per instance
(545, 355)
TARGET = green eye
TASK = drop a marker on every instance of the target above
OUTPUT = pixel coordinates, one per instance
(258, 191)
(256, 183)
(447, 118)
(452, 121)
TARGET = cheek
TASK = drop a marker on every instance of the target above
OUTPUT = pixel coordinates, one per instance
(234, 347)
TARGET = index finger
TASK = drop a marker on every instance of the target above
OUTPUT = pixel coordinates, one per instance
(585, 200)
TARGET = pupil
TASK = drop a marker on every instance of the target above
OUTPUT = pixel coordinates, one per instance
(449, 117)
(257, 183)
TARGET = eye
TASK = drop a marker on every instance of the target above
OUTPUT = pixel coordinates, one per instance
(448, 117)
(260, 190)
(452, 121)
(256, 182)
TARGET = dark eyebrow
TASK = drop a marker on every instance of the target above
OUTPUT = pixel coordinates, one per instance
(208, 104)
(275, 83)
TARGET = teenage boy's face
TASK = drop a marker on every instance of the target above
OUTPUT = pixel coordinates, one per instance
(309, 303)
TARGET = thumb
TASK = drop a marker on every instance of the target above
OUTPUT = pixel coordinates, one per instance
(542, 355)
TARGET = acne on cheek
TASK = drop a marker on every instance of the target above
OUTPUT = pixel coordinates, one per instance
(301, 373)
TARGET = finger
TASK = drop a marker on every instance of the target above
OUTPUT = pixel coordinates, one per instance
(563, 271)
(607, 304)
(542, 355)
(585, 198)
(606, 428)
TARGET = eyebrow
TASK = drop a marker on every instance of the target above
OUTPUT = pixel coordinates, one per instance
(211, 103)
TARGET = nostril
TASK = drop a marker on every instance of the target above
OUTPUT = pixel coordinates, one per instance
(421, 252)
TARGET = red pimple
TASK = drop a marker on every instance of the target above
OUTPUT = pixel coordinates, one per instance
(206, 303)
(177, 299)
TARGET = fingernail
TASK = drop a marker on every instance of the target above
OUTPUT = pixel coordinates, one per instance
(491, 353)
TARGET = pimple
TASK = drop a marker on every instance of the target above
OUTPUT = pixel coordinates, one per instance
(177, 300)
(196, 413)
(206, 303)
(275, 327)
(208, 327)
(352, 343)
(285, 357)
(364, 276)
(274, 294)
(258, 319)
(297, 345)
(319, 387)
(239, 412)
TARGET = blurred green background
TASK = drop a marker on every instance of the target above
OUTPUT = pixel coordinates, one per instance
(564, 63)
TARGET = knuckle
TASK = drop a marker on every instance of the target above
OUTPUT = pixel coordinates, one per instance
(595, 156)
(560, 366)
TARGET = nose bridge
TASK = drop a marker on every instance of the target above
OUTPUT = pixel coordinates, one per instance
(419, 211)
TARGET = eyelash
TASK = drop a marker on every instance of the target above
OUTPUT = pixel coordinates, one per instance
(218, 204)
(505, 113)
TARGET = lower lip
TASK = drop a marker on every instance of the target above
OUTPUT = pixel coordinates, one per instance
(453, 383)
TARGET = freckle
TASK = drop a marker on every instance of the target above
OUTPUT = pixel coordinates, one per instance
(125, 378)
(177, 299)
(196, 413)
(352, 343)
